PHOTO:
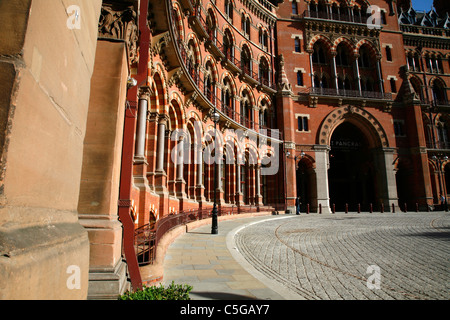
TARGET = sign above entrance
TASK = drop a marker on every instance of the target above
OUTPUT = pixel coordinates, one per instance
(345, 144)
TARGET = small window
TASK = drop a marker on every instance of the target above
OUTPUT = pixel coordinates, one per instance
(294, 7)
(297, 44)
(393, 86)
(299, 78)
(383, 17)
(302, 122)
(388, 54)
(398, 128)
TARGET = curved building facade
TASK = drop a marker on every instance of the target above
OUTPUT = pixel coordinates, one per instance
(156, 112)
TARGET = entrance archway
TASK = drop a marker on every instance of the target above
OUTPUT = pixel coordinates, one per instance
(351, 174)
(376, 160)
(306, 184)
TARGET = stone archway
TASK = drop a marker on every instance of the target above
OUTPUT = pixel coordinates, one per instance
(377, 160)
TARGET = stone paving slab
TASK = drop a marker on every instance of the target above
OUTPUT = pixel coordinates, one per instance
(204, 261)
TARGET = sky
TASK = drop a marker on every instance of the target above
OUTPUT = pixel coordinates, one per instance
(422, 5)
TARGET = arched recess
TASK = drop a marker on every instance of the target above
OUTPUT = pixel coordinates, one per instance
(306, 183)
(359, 159)
(365, 121)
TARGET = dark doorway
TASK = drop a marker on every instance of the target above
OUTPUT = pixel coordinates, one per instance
(304, 184)
(351, 172)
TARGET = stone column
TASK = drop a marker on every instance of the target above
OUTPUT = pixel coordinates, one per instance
(151, 145)
(384, 159)
(160, 174)
(258, 196)
(144, 96)
(380, 77)
(200, 188)
(357, 74)
(179, 181)
(161, 143)
(335, 76)
(311, 67)
(238, 183)
(322, 165)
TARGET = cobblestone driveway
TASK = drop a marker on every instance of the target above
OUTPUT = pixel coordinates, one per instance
(327, 256)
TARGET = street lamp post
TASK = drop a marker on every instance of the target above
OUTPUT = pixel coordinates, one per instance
(214, 227)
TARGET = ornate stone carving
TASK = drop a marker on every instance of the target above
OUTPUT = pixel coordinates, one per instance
(118, 21)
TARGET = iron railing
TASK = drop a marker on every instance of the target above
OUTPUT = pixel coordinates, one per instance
(335, 16)
(347, 93)
(147, 237)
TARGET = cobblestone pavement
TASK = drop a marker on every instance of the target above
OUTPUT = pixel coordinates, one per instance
(327, 256)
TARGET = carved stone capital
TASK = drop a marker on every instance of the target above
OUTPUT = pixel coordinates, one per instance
(145, 92)
(118, 21)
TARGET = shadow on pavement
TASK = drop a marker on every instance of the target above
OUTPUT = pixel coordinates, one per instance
(220, 295)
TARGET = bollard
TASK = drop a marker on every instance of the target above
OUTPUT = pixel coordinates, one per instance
(370, 208)
(359, 207)
(406, 208)
(333, 208)
(382, 208)
(320, 208)
(346, 208)
(307, 208)
(393, 208)
(417, 207)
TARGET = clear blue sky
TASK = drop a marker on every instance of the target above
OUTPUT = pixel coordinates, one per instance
(422, 5)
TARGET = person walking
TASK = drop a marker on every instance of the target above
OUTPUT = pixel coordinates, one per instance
(297, 205)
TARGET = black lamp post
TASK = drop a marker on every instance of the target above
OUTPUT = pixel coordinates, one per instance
(214, 227)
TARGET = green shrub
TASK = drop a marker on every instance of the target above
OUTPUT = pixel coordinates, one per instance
(172, 292)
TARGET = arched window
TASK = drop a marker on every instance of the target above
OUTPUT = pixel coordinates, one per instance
(264, 71)
(294, 7)
(319, 55)
(442, 129)
(246, 110)
(246, 25)
(246, 64)
(228, 45)
(228, 98)
(438, 90)
(211, 26)
(417, 86)
(364, 58)
(191, 62)
(229, 9)
(342, 57)
(209, 83)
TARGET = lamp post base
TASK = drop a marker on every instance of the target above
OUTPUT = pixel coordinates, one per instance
(214, 227)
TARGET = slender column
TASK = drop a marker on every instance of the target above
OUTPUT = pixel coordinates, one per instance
(161, 142)
(357, 74)
(311, 67)
(258, 196)
(200, 188)
(238, 183)
(144, 95)
(334, 53)
(380, 77)
(180, 158)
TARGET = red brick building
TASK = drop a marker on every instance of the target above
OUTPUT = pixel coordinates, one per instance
(149, 112)
(357, 118)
